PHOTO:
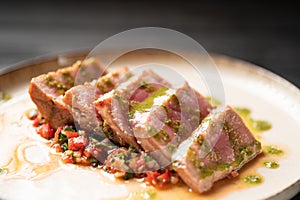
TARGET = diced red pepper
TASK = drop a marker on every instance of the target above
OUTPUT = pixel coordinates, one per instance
(77, 143)
(158, 179)
(151, 177)
(46, 131)
(71, 134)
(164, 178)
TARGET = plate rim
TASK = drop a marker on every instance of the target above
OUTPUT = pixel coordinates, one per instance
(42, 59)
(290, 191)
(215, 57)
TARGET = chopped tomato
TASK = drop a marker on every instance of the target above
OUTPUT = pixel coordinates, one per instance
(151, 177)
(77, 143)
(71, 134)
(164, 178)
(158, 179)
(46, 131)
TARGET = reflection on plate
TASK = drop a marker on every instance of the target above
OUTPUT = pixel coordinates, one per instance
(31, 170)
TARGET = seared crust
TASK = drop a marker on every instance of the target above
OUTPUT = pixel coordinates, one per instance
(47, 90)
(172, 119)
(220, 145)
(80, 99)
(112, 109)
(114, 106)
(53, 110)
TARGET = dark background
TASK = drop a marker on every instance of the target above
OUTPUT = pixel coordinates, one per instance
(263, 33)
(266, 33)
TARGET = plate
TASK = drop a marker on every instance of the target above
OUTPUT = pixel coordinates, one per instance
(33, 171)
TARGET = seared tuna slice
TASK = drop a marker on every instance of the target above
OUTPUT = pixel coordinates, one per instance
(47, 90)
(79, 99)
(220, 145)
(171, 118)
(114, 106)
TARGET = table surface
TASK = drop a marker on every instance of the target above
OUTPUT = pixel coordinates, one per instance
(263, 33)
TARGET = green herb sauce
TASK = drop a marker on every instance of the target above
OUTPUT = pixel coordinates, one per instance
(273, 150)
(68, 77)
(244, 112)
(61, 87)
(261, 125)
(271, 164)
(254, 125)
(171, 147)
(148, 158)
(148, 102)
(146, 85)
(205, 171)
(175, 124)
(105, 84)
(162, 135)
(253, 179)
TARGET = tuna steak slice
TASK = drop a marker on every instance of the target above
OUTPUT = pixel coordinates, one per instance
(114, 106)
(47, 90)
(79, 99)
(162, 126)
(220, 145)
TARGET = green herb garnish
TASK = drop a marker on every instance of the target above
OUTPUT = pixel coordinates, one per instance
(273, 150)
(271, 164)
(253, 179)
(64, 146)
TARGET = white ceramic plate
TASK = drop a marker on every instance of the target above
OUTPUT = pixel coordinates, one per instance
(34, 172)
